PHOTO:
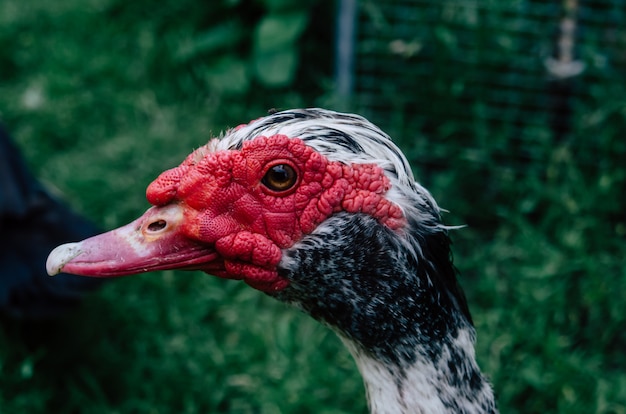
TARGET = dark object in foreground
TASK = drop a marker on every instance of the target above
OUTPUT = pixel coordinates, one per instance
(32, 222)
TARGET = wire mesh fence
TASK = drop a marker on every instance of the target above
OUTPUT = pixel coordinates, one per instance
(506, 87)
(519, 69)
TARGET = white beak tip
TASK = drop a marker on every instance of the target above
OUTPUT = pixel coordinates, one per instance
(60, 256)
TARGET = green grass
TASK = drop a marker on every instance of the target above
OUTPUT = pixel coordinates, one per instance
(101, 100)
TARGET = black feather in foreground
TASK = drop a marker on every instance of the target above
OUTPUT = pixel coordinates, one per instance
(32, 222)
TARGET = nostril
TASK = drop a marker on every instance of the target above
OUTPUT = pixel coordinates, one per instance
(157, 225)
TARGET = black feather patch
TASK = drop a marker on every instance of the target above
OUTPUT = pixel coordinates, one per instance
(355, 276)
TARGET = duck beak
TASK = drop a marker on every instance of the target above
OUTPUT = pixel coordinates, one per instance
(152, 242)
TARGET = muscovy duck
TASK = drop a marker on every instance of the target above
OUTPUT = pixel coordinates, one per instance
(318, 209)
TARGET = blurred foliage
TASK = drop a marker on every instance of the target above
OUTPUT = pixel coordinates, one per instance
(102, 95)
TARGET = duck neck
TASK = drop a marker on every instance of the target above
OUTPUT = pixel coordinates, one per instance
(451, 383)
(403, 316)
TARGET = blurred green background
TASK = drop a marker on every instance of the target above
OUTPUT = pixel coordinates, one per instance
(102, 95)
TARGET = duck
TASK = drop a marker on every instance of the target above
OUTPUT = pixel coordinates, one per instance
(320, 210)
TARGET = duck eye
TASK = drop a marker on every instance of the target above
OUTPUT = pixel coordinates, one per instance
(280, 177)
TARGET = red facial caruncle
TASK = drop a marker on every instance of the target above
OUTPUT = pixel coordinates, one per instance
(231, 213)
(249, 204)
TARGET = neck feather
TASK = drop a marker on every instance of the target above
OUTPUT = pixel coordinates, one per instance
(402, 315)
(451, 384)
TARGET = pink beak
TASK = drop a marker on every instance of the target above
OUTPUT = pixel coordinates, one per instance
(152, 242)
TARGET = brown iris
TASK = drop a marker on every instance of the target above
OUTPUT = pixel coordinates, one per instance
(280, 177)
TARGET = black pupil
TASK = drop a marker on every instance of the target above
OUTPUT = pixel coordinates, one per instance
(280, 174)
